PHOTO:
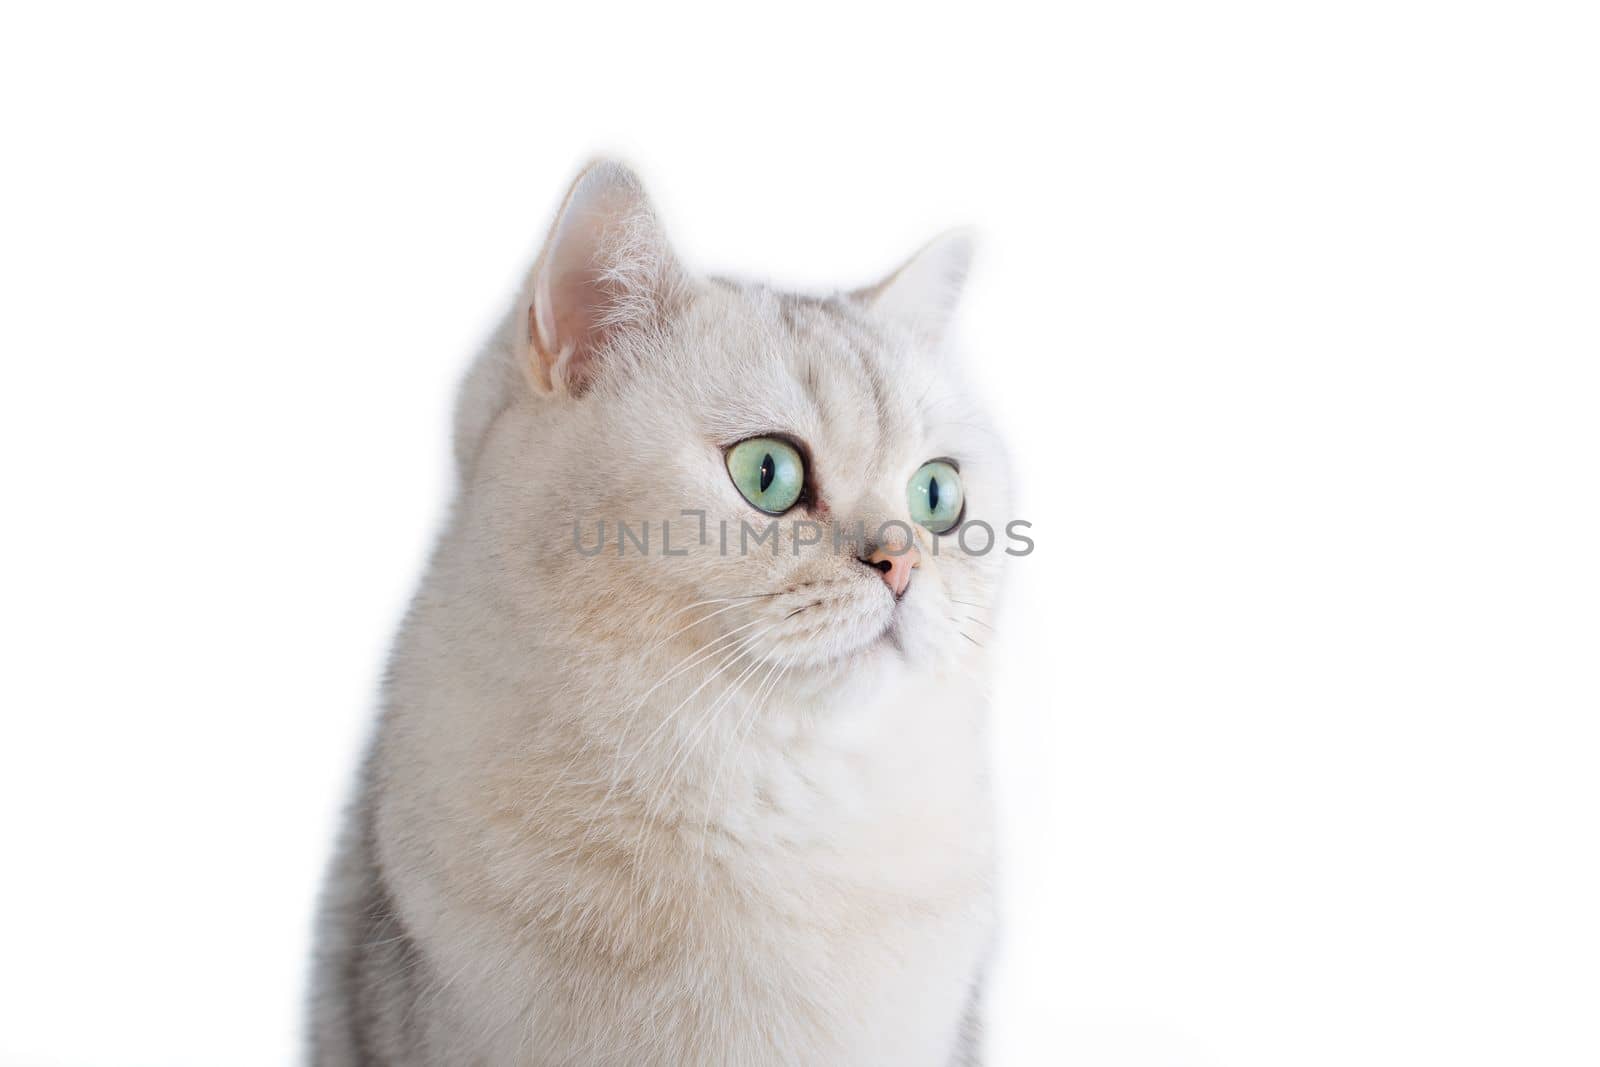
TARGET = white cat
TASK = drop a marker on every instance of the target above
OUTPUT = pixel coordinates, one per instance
(674, 802)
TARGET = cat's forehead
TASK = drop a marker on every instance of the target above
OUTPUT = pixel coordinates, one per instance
(820, 368)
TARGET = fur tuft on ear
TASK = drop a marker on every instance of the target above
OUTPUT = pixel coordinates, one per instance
(924, 292)
(606, 268)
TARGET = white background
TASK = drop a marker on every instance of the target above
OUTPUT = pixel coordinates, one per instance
(1290, 313)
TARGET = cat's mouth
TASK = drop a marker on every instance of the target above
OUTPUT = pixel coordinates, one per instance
(829, 621)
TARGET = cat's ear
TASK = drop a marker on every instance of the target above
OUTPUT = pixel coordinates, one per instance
(606, 268)
(924, 292)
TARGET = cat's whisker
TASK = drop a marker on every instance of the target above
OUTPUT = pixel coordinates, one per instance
(686, 745)
(732, 656)
(701, 604)
(969, 637)
(692, 625)
(731, 602)
(725, 600)
(737, 650)
(758, 703)
(755, 702)
(706, 651)
(685, 664)
(710, 650)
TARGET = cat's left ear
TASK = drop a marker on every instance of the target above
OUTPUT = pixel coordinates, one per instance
(924, 292)
(606, 269)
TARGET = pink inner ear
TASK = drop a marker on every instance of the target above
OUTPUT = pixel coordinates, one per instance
(573, 328)
(605, 268)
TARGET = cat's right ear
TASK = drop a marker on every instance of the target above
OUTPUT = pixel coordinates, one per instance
(606, 269)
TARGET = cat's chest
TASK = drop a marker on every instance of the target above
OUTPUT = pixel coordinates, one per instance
(854, 983)
(894, 793)
(853, 903)
(835, 910)
(818, 972)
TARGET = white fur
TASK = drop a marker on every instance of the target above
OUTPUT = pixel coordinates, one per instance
(606, 851)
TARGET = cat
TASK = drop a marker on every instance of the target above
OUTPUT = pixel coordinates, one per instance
(703, 801)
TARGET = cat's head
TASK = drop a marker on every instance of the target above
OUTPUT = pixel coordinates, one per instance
(653, 460)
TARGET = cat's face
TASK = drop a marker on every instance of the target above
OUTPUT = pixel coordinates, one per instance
(698, 468)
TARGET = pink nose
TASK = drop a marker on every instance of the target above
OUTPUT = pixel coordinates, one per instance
(896, 569)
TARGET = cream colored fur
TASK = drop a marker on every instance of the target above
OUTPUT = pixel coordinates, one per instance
(644, 809)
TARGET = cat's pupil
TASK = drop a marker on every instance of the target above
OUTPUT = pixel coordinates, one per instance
(933, 494)
(767, 470)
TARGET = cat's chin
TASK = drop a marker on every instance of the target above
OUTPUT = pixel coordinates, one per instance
(888, 642)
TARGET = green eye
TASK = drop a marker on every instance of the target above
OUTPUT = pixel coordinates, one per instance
(935, 496)
(769, 473)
